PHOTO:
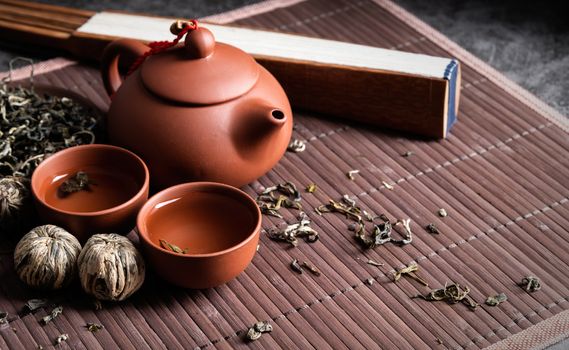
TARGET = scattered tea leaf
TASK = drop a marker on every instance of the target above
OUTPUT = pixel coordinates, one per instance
(97, 304)
(387, 185)
(311, 188)
(263, 327)
(288, 197)
(295, 266)
(410, 272)
(253, 334)
(94, 327)
(381, 232)
(408, 238)
(291, 233)
(531, 284)
(407, 154)
(310, 267)
(61, 338)
(54, 313)
(172, 247)
(496, 299)
(370, 281)
(296, 146)
(351, 174)
(78, 182)
(440, 341)
(3, 317)
(255, 331)
(452, 294)
(431, 228)
(372, 262)
(34, 304)
(442, 213)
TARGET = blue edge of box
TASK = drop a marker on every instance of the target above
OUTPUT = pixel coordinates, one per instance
(451, 73)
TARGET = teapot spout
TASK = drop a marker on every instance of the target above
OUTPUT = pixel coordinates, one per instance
(275, 116)
(258, 125)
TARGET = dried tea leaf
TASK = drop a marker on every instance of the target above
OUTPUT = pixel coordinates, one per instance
(351, 174)
(311, 188)
(78, 182)
(381, 232)
(442, 213)
(452, 294)
(310, 267)
(255, 331)
(61, 338)
(288, 197)
(372, 262)
(408, 238)
(54, 313)
(172, 247)
(531, 284)
(410, 272)
(3, 317)
(34, 304)
(295, 266)
(253, 334)
(291, 233)
(370, 281)
(496, 299)
(296, 146)
(94, 327)
(97, 304)
(431, 228)
(263, 327)
(387, 185)
(407, 154)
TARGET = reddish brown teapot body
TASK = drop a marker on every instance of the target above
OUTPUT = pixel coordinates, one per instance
(204, 111)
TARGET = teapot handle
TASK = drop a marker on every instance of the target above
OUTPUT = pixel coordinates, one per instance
(127, 49)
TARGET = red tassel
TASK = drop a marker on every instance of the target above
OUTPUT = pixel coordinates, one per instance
(159, 46)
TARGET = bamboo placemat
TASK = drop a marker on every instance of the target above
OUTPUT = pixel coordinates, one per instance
(502, 175)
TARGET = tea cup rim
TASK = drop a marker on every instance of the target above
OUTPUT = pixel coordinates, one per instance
(80, 148)
(168, 192)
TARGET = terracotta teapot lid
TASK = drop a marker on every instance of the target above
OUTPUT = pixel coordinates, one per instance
(201, 71)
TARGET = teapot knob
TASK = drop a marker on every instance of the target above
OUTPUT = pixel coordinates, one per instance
(200, 43)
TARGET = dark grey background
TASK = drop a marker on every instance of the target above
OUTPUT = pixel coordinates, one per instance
(528, 41)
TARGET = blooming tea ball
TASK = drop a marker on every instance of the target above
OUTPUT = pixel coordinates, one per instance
(46, 257)
(110, 267)
(14, 200)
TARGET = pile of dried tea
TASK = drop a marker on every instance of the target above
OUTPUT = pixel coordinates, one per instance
(33, 126)
(273, 198)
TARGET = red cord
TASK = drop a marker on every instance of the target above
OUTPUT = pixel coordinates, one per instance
(159, 46)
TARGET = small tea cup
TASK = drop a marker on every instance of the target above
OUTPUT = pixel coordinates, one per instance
(116, 188)
(199, 235)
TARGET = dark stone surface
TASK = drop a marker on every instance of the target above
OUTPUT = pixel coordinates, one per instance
(528, 41)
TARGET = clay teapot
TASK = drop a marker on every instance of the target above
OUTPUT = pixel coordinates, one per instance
(199, 111)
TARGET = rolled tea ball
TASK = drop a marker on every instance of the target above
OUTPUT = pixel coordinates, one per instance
(14, 200)
(110, 267)
(46, 257)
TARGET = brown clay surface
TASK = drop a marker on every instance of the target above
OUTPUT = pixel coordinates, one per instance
(501, 175)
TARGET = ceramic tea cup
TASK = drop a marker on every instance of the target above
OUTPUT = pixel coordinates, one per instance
(216, 225)
(91, 189)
